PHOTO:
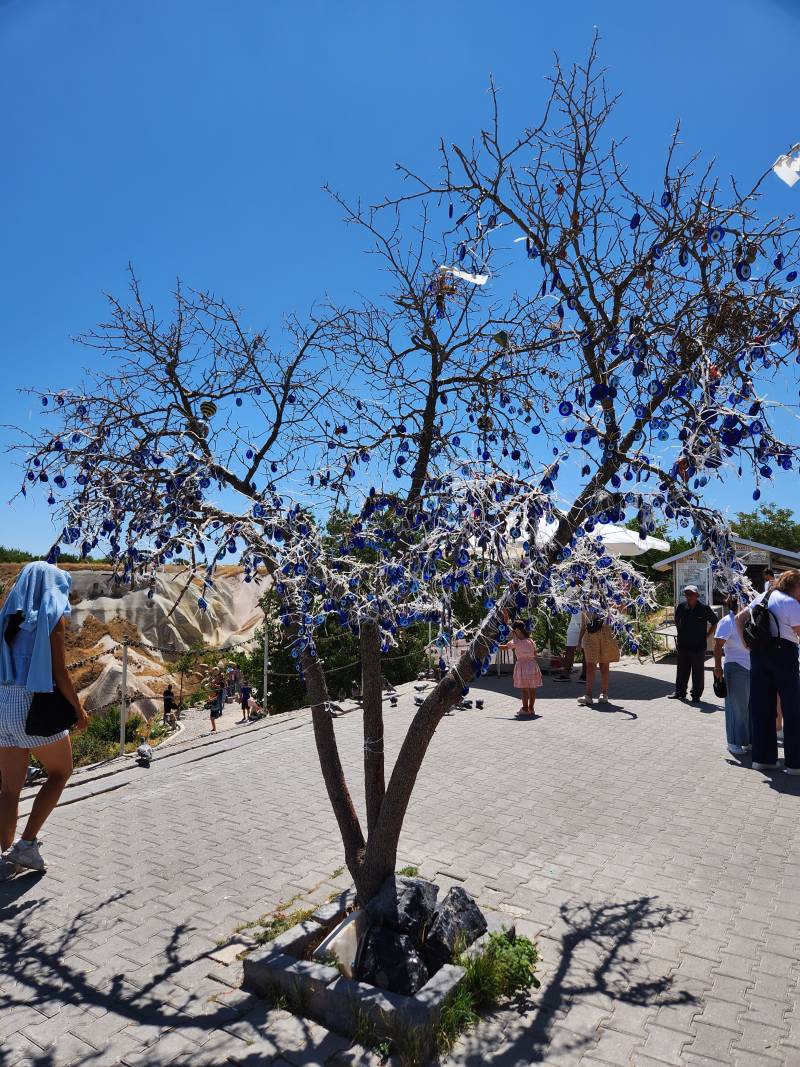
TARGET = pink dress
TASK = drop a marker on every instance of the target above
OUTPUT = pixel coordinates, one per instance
(526, 670)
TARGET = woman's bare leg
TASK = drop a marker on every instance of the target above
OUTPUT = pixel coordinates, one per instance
(590, 673)
(13, 770)
(56, 758)
(604, 671)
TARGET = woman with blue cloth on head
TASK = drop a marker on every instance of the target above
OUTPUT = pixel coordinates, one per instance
(32, 660)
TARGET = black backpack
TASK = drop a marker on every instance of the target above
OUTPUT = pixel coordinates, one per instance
(758, 635)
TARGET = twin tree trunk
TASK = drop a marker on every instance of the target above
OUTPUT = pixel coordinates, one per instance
(372, 859)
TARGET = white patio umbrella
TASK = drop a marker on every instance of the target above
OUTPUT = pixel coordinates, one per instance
(617, 540)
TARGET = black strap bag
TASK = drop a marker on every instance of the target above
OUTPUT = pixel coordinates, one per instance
(49, 714)
(758, 635)
(720, 687)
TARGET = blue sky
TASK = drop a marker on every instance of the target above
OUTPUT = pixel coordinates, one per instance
(193, 139)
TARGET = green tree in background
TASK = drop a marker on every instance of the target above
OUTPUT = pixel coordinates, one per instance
(769, 525)
(339, 650)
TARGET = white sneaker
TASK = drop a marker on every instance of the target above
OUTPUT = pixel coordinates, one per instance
(586, 702)
(767, 766)
(603, 698)
(26, 855)
(8, 869)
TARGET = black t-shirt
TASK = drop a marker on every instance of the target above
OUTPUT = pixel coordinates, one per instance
(692, 625)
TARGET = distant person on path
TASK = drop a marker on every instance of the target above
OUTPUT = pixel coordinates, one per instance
(695, 623)
(245, 693)
(736, 673)
(32, 660)
(600, 649)
(573, 644)
(169, 703)
(769, 578)
(218, 688)
(527, 675)
(774, 673)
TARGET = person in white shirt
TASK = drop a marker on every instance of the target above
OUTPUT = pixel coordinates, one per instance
(736, 672)
(773, 674)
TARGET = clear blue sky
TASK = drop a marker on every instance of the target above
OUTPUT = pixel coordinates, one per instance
(192, 138)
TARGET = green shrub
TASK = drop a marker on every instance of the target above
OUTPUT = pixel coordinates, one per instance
(105, 727)
(100, 740)
(506, 966)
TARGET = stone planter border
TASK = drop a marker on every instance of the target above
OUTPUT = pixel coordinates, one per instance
(322, 993)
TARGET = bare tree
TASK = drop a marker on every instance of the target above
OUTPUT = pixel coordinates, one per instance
(561, 351)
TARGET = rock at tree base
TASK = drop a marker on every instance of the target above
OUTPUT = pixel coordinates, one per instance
(458, 922)
(391, 961)
(403, 904)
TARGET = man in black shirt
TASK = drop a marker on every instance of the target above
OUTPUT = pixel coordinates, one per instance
(695, 623)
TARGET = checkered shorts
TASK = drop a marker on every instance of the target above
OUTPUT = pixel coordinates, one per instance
(15, 700)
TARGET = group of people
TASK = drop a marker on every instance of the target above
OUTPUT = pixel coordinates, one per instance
(761, 677)
(228, 685)
(759, 680)
(591, 633)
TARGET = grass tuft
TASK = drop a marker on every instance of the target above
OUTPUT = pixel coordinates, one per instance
(409, 872)
(505, 968)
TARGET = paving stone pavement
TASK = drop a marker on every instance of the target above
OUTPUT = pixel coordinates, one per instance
(659, 877)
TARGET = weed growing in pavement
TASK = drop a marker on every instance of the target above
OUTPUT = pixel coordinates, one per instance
(506, 967)
(409, 872)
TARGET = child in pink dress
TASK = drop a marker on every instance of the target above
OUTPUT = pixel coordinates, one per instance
(527, 675)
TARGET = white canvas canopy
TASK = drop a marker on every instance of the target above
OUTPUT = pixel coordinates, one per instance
(618, 540)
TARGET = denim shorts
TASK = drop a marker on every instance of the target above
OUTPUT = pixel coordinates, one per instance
(15, 700)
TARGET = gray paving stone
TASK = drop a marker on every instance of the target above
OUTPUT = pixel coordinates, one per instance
(696, 864)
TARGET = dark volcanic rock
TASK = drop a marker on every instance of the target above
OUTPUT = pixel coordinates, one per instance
(391, 961)
(458, 920)
(406, 905)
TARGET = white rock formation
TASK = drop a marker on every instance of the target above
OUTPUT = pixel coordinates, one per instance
(232, 617)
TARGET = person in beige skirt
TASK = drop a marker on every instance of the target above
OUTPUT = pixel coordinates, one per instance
(600, 648)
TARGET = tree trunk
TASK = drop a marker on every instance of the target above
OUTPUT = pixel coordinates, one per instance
(331, 765)
(372, 699)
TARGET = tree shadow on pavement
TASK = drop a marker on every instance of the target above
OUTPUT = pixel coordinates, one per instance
(598, 963)
(51, 977)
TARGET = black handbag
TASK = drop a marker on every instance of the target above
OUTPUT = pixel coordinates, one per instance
(720, 688)
(49, 714)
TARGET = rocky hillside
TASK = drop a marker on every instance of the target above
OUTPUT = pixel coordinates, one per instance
(103, 612)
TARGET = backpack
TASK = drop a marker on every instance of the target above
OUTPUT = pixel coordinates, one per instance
(758, 635)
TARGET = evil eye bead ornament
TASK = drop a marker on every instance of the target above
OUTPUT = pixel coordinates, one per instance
(715, 234)
(565, 408)
(743, 270)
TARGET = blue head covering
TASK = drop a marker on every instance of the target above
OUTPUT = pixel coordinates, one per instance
(41, 593)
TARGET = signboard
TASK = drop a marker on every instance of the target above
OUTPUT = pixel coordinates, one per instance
(753, 556)
(693, 572)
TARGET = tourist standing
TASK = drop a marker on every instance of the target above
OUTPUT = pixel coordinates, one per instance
(527, 674)
(600, 649)
(736, 673)
(32, 661)
(695, 622)
(245, 693)
(218, 689)
(774, 673)
(573, 644)
(169, 703)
